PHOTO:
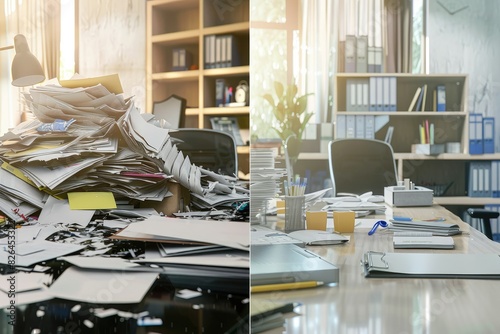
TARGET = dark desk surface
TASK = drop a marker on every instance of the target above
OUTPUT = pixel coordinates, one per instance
(222, 306)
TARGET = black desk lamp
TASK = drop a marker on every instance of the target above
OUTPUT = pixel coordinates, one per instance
(26, 69)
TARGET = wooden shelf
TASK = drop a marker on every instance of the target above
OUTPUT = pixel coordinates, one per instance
(185, 24)
(465, 200)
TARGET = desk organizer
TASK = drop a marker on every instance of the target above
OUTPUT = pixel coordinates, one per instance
(400, 196)
(428, 149)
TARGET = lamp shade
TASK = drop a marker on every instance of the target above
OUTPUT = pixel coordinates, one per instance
(26, 69)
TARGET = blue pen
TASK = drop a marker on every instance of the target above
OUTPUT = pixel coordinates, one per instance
(402, 219)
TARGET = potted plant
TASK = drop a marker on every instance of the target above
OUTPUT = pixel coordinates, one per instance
(289, 110)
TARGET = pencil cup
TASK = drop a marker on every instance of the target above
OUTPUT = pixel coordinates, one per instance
(294, 213)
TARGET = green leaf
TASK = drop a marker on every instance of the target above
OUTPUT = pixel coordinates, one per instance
(301, 104)
(269, 98)
(278, 88)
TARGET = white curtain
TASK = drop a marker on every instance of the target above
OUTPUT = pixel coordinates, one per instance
(325, 24)
(39, 21)
(319, 39)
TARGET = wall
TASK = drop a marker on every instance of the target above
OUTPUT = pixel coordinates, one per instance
(464, 39)
(113, 40)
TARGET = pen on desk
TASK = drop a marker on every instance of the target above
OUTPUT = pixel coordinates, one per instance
(285, 286)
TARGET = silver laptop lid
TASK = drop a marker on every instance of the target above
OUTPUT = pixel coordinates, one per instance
(286, 263)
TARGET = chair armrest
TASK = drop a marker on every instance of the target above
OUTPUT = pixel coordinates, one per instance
(482, 213)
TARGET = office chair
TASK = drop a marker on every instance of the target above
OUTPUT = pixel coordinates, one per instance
(484, 215)
(361, 165)
(172, 110)
(210, 149)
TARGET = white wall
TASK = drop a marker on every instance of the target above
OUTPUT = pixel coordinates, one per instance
(113, 40)
(468, 42)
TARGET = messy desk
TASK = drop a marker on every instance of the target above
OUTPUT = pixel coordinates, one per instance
(90, 238)
(359, 304)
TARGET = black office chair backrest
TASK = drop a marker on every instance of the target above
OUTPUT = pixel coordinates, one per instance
(210, 149)
(361, 165)
(172, 110)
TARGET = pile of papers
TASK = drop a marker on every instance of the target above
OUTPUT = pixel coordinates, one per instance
(90, 137)
(437, 228)
(265, 181)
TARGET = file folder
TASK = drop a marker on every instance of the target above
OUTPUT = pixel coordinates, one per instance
(488, 135)
(392, 94)
(370, 127)
(360, 126)
(495, 178)
(479, 179)
(350, 126)
(380, 93)
(341, 126)
(431, 265)
(351, 95)
(441, 98)
(475, 133)
(362, 54)
(350, 54)
(371, 59)
(373, 94)
(386, 94)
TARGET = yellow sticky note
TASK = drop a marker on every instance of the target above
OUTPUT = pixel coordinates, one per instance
(91, 200)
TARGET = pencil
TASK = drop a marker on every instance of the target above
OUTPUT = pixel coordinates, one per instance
(285, 286)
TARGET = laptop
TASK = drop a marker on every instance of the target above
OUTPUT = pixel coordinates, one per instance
(287, 263)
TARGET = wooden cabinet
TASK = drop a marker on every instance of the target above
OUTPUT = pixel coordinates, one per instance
(184, 25)
(450, 126)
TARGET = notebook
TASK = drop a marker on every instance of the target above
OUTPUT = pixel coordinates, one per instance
(287, 263)
(262, 235)
(319, 238)
(431, 265)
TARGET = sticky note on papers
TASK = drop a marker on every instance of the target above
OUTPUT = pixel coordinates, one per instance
(91, 200)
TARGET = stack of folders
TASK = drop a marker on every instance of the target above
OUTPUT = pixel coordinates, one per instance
(437, 228)
(267, 315)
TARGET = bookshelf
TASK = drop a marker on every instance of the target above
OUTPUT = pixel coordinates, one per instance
(185, 25)
(451, 125)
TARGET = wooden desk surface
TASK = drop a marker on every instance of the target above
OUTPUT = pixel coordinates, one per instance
(403, 305)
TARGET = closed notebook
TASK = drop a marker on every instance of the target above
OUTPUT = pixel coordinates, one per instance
(423, 242)
(431, 265)
(319, 238)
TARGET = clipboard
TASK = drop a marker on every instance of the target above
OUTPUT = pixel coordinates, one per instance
(430, 265)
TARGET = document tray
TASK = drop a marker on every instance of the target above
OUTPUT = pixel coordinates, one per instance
(431, 265)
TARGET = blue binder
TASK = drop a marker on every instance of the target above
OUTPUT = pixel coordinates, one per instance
(488, 135)
(476, 133)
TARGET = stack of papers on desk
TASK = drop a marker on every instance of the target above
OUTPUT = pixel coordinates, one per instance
(436, 228)
(265, 181)
(91, 137)
(231, 259)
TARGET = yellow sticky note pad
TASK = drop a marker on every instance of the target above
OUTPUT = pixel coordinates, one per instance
(91, 200)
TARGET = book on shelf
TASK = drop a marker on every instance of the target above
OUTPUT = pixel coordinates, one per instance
(440, 98)
(424, 96)
(415, 98)
(419, 100)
